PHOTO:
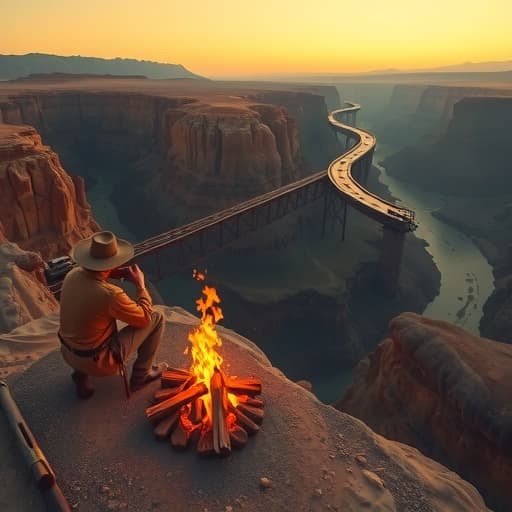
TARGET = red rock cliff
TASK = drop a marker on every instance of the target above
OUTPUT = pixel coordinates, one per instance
(436, 387)
(42, 208)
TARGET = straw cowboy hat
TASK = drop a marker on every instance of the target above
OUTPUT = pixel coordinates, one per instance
(102, 251)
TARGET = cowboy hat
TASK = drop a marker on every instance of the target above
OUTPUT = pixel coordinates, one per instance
(102, 251)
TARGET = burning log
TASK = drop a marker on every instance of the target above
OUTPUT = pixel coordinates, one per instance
(256, 414)
(173, 377)
(164, 428)
(255, 402)
(198, 411)
(246, 423)
(180, 436)
(205, 444)
(238, 436)
(164, 394)
(221, 442)
(250, 386)
(162, 409)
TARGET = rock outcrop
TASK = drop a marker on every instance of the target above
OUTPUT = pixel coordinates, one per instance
(310, 456)
(218, 156)
(434, 386)
(42, 207)
(24, 295)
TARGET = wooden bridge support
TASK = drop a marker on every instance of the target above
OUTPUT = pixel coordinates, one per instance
(391, 259)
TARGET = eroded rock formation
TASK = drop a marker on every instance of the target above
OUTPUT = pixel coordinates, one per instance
(434, 386)
(42, 207)
(24, 295)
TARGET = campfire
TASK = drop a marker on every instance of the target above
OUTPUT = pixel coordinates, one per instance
(203, 404)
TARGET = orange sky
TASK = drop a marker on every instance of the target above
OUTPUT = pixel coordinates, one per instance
(237, 37)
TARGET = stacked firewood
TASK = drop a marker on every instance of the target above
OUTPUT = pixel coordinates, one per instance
(179, 414)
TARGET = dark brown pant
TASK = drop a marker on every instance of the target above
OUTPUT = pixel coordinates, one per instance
(143, 340)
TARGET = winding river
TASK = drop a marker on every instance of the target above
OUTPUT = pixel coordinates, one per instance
(466, 276)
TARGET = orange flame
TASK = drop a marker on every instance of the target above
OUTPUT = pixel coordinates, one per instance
(204, 340)
(199, 276)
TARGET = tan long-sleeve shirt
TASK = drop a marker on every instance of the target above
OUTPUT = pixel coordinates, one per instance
(90, 305)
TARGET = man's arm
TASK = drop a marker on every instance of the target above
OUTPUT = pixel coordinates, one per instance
(133, 312)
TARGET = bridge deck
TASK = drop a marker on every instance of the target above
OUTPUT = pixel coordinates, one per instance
(340, 174)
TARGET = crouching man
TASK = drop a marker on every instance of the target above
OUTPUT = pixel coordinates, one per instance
(90, 306)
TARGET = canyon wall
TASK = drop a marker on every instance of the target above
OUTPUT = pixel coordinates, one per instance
(42, 207)
(183, 157)
(436, 387)
(471, 157)
(418, 113)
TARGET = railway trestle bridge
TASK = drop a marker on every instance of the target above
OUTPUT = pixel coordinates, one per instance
(341, 185)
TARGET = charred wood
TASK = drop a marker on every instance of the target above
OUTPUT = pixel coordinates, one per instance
(221, 442)
(198, 411)
(164, 394)
(162, 409)
(250, 386)
(180, 436)
(164, 428)
(256, 414)
(238, 436)
(173, 377)
(248, 400)
(246, 423)
(205, 444)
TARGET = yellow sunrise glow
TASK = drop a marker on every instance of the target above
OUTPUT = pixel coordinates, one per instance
(237, 37)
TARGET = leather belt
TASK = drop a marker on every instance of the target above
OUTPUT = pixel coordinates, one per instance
(85, 353)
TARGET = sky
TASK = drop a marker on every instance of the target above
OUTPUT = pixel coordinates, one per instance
(228, 38)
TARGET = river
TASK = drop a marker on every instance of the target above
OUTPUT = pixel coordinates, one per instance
(466, 276)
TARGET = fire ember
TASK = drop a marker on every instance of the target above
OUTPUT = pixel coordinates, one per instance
(203, 404)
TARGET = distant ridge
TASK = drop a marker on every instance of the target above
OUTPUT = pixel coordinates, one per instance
(18, 66)
(52, 77)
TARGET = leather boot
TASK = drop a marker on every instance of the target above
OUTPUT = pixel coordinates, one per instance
(139, 379)
(83, 388)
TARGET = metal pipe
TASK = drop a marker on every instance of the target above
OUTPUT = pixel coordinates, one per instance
(34, 458)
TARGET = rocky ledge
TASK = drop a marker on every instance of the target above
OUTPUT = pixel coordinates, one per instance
(307, 457)
(436, 387)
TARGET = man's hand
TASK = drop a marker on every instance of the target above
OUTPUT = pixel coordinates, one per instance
(136, 275)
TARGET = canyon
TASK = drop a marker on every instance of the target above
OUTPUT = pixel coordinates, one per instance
(183, 150)
(178, 158)
(207, 149)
